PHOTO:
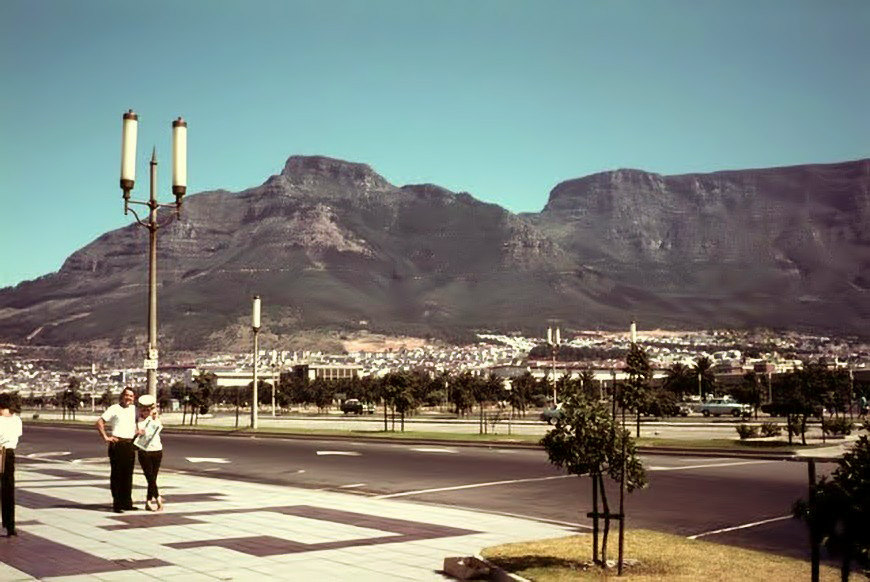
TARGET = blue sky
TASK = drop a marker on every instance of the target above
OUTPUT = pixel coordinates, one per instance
(499, 98)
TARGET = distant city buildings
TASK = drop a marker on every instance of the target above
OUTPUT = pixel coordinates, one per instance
(506, 355)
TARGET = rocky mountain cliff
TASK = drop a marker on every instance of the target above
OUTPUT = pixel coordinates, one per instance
(329, 243)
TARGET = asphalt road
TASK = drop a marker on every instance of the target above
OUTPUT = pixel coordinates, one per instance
(691, 496)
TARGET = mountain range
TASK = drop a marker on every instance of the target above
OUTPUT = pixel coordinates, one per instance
(331, 244)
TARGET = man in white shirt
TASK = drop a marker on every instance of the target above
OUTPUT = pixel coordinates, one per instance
(121, 419)
(10, 432)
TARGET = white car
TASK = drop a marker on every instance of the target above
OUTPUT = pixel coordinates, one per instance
(720, 406)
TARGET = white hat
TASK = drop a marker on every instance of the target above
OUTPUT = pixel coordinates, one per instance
(146, 400)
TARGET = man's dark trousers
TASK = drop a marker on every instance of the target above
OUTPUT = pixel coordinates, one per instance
(122, 458)
(7, 491)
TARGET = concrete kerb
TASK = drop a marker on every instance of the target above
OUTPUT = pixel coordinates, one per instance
(819, 454)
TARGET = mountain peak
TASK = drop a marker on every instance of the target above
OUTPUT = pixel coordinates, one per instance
(308, 170)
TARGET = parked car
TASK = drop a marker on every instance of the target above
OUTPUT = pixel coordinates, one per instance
(551, 415)
(720, 406)
(354, 406)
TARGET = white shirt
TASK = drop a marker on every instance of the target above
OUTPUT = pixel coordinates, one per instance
(150, 441)
(10, 431)
(121, 420)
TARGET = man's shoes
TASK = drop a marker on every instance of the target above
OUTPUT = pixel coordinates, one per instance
(11, 532)
(117, 510)
(131, 508)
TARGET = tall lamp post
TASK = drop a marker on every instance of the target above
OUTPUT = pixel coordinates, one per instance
(255, 325)
(179, 188)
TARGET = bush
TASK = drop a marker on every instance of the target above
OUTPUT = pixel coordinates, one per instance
(747, 431)
(770, 429)
(35, 415)
(837, 426)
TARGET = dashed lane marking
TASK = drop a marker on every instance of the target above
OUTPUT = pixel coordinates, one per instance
(352, 486)
(433, 450)
(47, 455)
(207, 460)
(339, 453)
(470, 486)
(736, 527)
(706, 465)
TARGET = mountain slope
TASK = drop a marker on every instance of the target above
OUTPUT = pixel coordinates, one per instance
(332, 243)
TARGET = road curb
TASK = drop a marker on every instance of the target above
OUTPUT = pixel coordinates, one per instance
(649, 450)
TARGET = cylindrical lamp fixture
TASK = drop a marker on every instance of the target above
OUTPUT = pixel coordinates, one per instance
(255, 315)
(179, 158)
(633, 332)
(129, 132)
(550, 335)
(556, 337)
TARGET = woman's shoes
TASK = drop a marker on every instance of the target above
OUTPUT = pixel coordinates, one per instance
(151, 505)
(159, 502)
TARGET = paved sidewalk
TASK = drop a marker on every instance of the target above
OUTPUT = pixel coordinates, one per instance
(216, 529)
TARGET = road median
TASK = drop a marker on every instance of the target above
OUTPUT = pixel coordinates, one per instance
(656, 446)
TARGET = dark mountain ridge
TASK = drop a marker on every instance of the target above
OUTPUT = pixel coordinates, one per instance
(329, 243)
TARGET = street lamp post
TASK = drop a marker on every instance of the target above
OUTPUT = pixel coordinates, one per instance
(508, 387)
(179, 188)
(553, 341)
(255, 325)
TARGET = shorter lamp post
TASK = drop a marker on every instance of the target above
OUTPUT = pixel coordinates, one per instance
(255, 325)
(553, 341)
(508, 387)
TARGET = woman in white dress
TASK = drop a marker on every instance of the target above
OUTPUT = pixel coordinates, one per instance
(150, 448)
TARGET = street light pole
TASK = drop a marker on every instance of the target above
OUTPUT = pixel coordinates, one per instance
(179, 188)
(255, 325)
(553, 340)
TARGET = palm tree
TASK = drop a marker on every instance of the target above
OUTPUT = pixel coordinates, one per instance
(679, 379)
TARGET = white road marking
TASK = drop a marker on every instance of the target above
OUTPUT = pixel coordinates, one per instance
(86, 460)
(704, 466)
(342, 453)
(352, 486)
(47, 455)
(736, 527)
(207, 460)
(433, 450)
(471, 486)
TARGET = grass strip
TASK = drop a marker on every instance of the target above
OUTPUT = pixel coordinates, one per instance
(660, 557)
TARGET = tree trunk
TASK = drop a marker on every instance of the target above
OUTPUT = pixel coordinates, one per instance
(480, 405)
(606, 520)
(788, 427)
(803, 429)
(845, 565)
(638, 423)
(386, 426)
(595, 559)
